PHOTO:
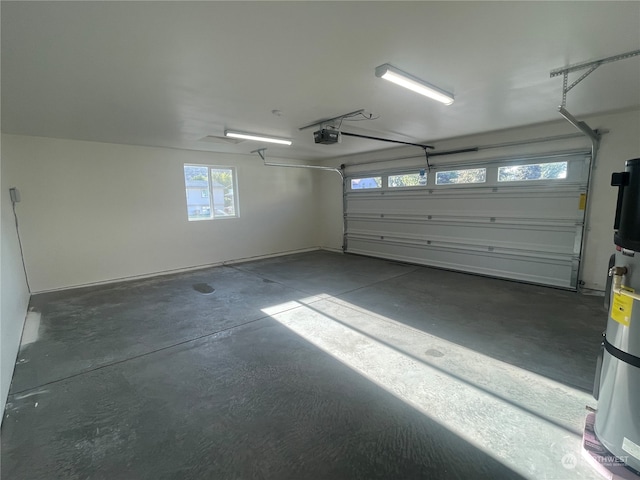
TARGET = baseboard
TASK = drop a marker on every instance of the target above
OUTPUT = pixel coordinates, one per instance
(330, 249)
(179, 270)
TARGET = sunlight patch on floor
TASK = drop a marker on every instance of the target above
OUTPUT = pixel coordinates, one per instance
(528, 422)
(30, 331)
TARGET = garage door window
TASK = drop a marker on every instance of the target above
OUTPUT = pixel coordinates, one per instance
(365, 183)
(473, 175)
(535, 171)
(408, 180)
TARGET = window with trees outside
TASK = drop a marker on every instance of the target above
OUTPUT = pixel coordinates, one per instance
(473, 175)
(536, 171)
(219, 183)
(408, 179)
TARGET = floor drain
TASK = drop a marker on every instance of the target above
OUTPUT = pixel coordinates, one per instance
(434, 353)
(203, 288)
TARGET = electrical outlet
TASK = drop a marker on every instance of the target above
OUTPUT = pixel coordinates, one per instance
(14, 193)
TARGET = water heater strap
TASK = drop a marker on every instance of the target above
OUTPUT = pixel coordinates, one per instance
(621, 355)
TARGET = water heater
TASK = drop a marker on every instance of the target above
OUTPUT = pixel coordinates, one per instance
(617, 420)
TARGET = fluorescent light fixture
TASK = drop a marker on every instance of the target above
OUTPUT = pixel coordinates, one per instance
(391, 73)
(257, 138)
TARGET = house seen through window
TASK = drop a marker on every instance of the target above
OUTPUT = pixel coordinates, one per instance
(211, 192)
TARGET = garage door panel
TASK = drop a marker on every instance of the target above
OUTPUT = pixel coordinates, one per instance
(543, 238)
(554, 271)
(530, 231)
(489, 204)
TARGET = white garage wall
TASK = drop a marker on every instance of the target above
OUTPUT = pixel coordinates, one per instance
(621, 144)
(618, 146)
(14, 295)
(94, 212)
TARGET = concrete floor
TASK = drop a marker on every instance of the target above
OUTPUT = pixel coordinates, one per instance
(314, 365)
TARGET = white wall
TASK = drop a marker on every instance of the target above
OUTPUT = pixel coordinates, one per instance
(621, 144)
(330, 216)
(14, 295)
(93, 212)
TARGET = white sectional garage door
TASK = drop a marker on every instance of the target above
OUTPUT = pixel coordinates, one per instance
(520, 220)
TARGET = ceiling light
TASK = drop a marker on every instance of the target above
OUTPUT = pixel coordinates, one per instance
(406, 80)
(258, 138)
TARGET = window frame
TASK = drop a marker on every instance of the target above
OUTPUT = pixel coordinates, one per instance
(484, 181)
(577, 167)
(419, 173)
(566, 171)
(377, 187)
(211, 194)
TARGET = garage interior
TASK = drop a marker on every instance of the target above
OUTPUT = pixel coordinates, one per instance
(410, 289)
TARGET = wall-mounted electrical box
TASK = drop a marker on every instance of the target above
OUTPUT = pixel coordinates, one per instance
(14, 193)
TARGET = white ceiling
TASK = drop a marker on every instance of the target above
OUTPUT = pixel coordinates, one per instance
(170, 73)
